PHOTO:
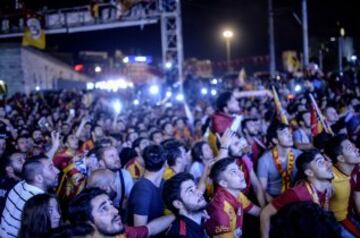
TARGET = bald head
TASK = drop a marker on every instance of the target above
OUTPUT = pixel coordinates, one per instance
(103, 179)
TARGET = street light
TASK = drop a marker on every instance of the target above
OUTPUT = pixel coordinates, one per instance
(228, 35)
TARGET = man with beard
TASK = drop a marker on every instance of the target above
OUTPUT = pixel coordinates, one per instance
(314, 185)
(345, 202)
(236, 151)
(276, 168)
(94, 206)
(251, 132)
(109, 159)
(226, 209)
(40, 176)
(182, 197)
(11, 168)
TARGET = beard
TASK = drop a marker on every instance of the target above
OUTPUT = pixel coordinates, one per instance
(195, 208)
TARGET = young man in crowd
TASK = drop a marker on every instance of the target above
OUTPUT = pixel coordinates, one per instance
(302, 135)
(109, 159)
(40, 176)
(103, 179)
(145, 202)
(314, 185)
(276, 168)
(345, 202)
(11, 169)
(252, 135)
(236, 151)
(176, 157)
(183, 199)
(95, 207)
(226, 209)
(136, 165)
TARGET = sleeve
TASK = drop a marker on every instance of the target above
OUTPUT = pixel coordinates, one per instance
(284, 199)
(246, 203)
(136, 232)
(297, 137)
(129, 182)
(262, 169)
(195, 170)
(219, 222)
(248, 163)
(140, 200)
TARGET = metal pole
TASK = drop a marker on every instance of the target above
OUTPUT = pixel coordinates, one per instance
(321, 57)
(340, 53)
(305, 33)
(228, 54)
(271, 39)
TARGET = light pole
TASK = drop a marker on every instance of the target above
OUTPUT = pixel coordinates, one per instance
(228, 35)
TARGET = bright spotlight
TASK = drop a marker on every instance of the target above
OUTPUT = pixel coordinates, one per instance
(154, 89)
(117, 106)
(37, 88)
(214, 81)
(136, 102)
(168, 94)
(90, 86)
(126, 60)
(98, 69)
(168, 65)
(180, 97)
(213, 92)
(298, 88)
(228, 34)
(353, 57)
(140, 59)
(204, 91)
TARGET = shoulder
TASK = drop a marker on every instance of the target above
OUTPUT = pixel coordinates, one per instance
(297, 152)
(126, 174)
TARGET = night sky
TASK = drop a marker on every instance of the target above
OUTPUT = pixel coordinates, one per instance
(203, 21)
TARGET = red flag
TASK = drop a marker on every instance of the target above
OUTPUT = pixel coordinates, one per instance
(316, 126)
(279, 109)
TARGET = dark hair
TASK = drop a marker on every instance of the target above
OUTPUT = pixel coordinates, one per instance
(35, 218)
(197, 151)
(218, 168)
(274, 127)
(72, 231)
(222, 100)
(304, 219)
(80, 208)
(173, 151)
(300, 116)
(321, 140)
(137, 142)
(154, 157)
(32, 167)
(333, 148)
(303, 161)
(152, 134)
(245, 121)
(172, 190)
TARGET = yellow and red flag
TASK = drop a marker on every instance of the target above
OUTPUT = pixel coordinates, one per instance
(279, 109)
(317, 120)
(34, 34)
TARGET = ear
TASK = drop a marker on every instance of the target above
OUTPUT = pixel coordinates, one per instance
(341, 158)
(275, 141)
(223, 183)
(177, 204)
(38, 178)
(102, 164)
(309, 172)
(9, 170)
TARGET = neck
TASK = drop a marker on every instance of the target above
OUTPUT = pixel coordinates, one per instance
(140, 160)
(319, 185)
(235, 193)
(177, 169)
(40, 186)
(196, 217)
(283, 151)
(345, 168)
(154, 177)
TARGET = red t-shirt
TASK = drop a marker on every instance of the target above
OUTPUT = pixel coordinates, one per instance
(299, 193)
(135, 232)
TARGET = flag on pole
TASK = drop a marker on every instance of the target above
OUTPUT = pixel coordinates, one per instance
(318, 123)
(279, 109)
(34, 35)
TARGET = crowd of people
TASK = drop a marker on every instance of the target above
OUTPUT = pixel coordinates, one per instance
(243, 166)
